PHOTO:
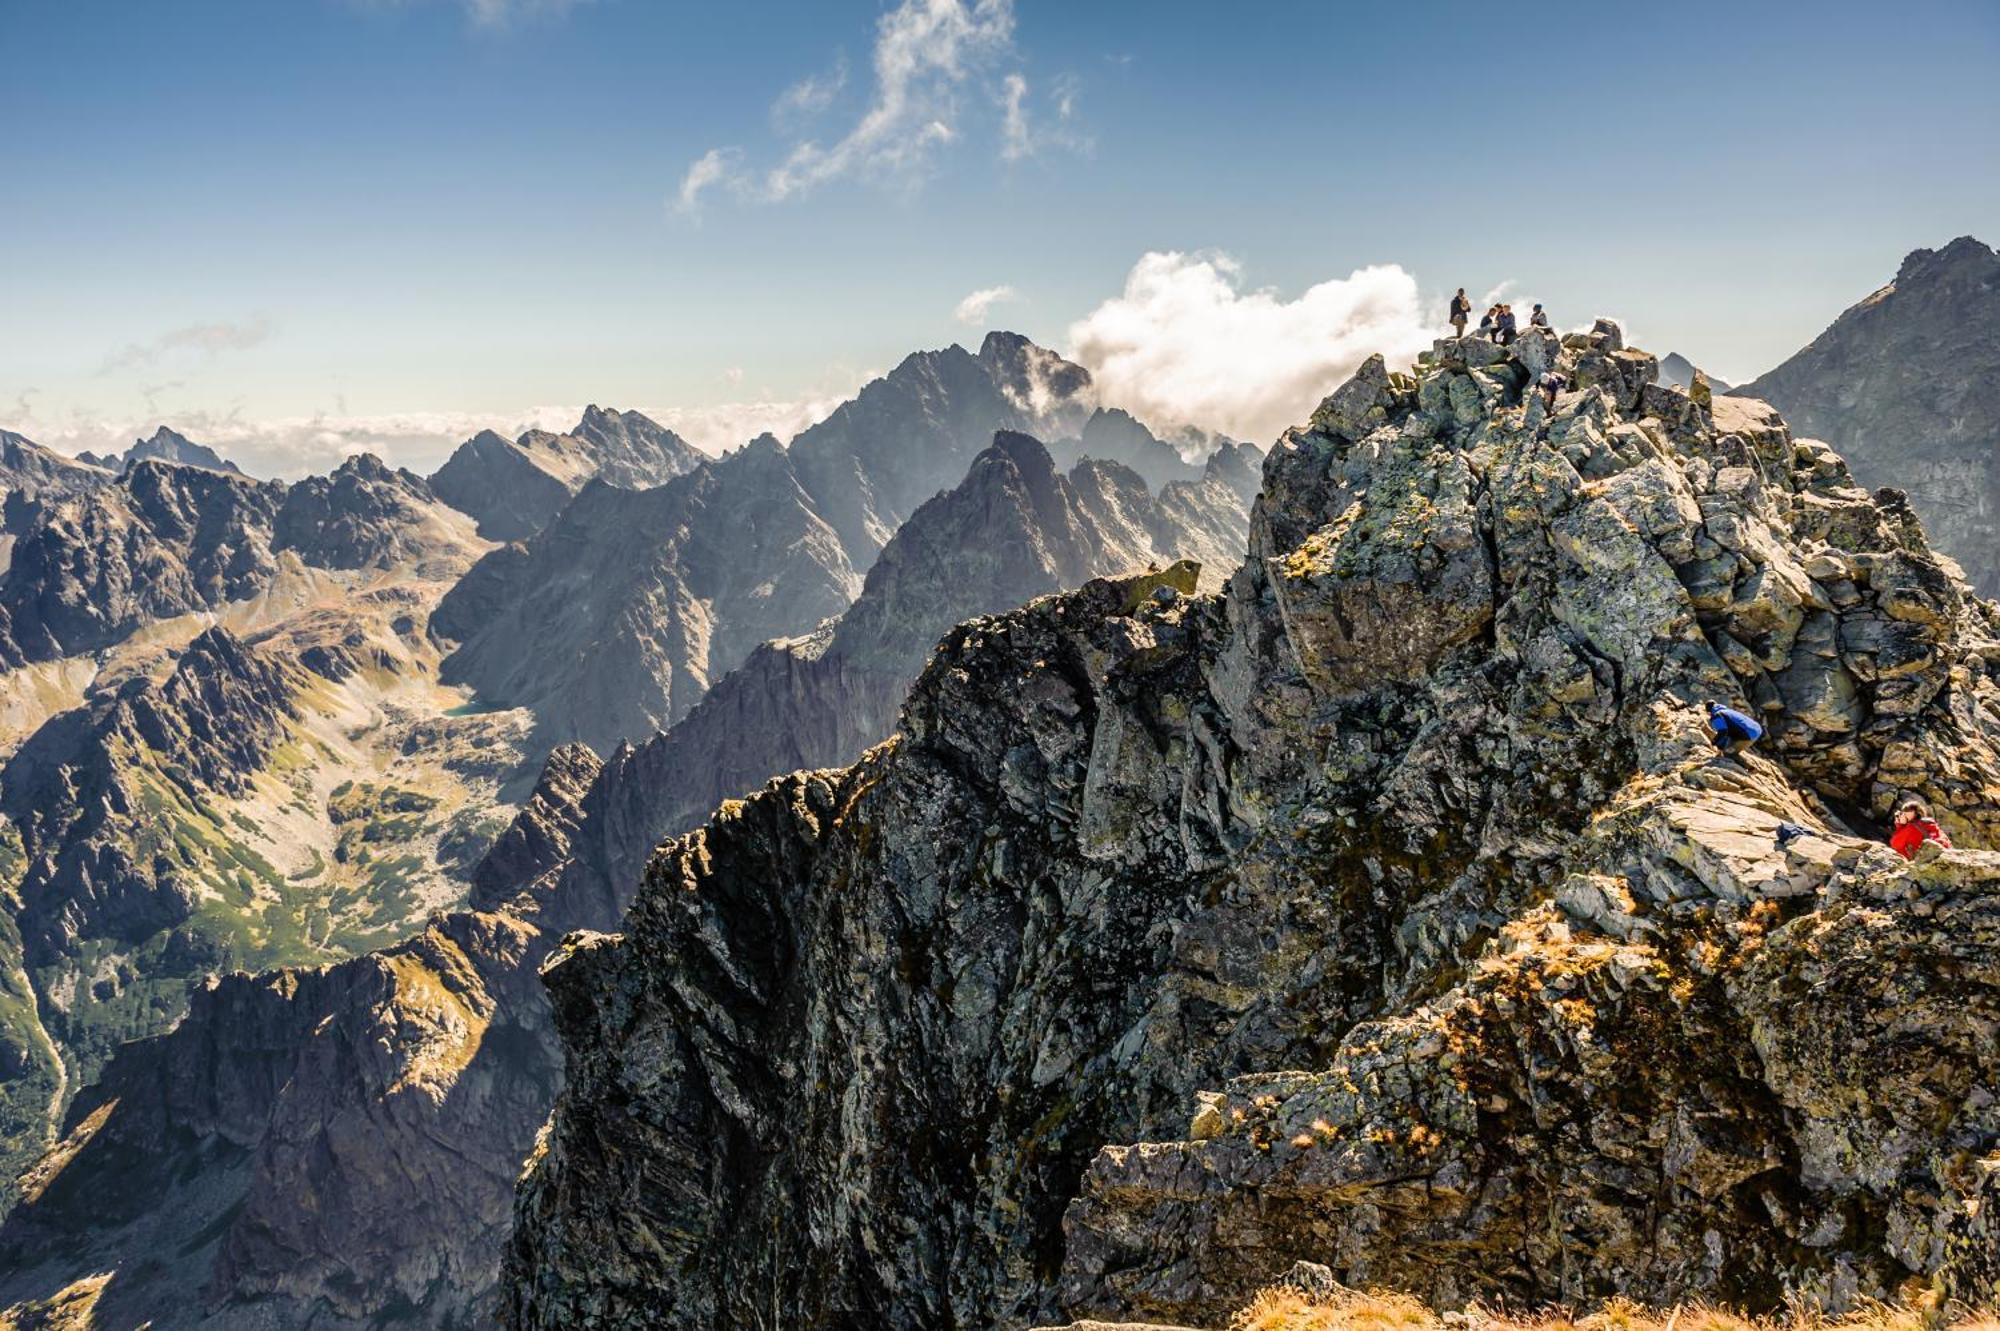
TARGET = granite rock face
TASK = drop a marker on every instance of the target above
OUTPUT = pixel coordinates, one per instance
(1387, 910)
(1906, 386)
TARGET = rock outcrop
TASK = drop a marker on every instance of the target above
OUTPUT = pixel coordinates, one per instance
(27, 469)
(1392, 901)
(512, 487)
(1906, 385)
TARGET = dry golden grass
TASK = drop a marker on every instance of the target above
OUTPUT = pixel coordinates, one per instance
(1355, 1310)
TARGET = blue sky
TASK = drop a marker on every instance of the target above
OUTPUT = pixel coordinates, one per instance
(302, 225)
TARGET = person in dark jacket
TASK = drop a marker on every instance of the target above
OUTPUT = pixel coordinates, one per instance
(1913, 828)
(1551, 383)
(1504, 327)
(1733, 732)
(1461, 310)
(1486, 319)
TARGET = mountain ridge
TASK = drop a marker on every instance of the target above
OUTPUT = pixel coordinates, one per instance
(1906, 383)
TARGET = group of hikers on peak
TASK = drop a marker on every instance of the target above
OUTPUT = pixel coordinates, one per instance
(1498, 323)
(1733, 732)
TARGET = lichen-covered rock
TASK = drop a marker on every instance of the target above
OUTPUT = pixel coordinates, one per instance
(1389, 911)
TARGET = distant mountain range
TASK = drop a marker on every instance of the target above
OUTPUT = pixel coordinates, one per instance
(613, 619)
(513, 487)
(165, 445)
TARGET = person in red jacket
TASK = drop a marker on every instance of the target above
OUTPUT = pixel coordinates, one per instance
(1913, 828)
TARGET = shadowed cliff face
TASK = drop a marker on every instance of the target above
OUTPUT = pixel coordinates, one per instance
(1420, 808)
(1906, 385)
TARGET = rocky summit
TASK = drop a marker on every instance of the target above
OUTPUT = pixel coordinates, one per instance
(1906, 384)
(1387, 909)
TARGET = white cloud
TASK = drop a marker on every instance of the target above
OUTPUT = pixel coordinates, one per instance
(1014, 139)
(292, 446)
(203, 339)
(1186, 344)
(712, 167)
(809, 97)
(974, 308)
(493, 14)
(925, 53)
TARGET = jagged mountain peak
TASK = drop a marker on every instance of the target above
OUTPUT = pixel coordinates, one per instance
(513, 487)
(1967, 257)
(166, 444)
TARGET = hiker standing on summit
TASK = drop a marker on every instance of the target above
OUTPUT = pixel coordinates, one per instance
(1461, 310)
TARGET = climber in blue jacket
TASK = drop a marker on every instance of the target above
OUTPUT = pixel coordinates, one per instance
(1733, 731)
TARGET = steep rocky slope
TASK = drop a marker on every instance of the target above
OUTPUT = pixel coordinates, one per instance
(513, 487)
(614, 619)
(164, 445)
(28, 469)
(1392, 899)
(1906, 384)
